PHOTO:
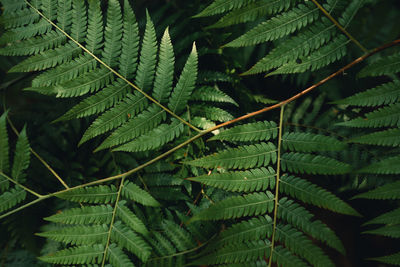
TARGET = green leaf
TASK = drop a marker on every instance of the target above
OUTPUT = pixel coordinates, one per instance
(130, 241)
(388, 230)
(243, 157)
(384, 94)
(388, 137)
(387, 191)
(308, 163)
(130, 219)
(279, 26)
(79, 235)
(186, 83)
(258, 131)
(238, 206)
(165, 70)
(391, 217)
(117, 257)
(84, 215)
(384, 66)
(21, 157)
(147, 62)
(11, 198)
(308, 142)
(389, 259)
(4, 147)
(221, 6)
(94, 194)
(312, 194)
(76, 255)
(386, 166)
(244, 181)
(135, 193)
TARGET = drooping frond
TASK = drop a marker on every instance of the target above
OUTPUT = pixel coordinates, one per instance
(12, 197)
(135, 193)
(212, 94)
(4, 148)
(21, 157)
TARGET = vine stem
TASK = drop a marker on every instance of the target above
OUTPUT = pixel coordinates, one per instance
(340, 27)
(111, 69)
(252, 114)
(278, 173)
(112, 221)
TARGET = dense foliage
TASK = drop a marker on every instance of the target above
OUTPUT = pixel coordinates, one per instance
(200, 133)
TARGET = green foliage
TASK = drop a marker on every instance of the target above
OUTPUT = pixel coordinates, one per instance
(154, 104)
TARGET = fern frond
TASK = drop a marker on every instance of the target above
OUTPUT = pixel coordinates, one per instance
(320, 58)
(300, 218)
(388, 137)
(143, 123)
(165, 70)
(211, 113)
(258, 131)
(308, 163)
(384, 66)
(391, 217)
(386, 166)
(79, 235)
(298, 46)
(212, 94)
(300, 245)
(183, 89)
(94, 194)
(384, 94)
(386, 116)
(251, 12)
(147, 62)
(387, 191)
(132, 104)
(18, 18)
(243, 157)
(154, 139)
(278, 26)
(131, 241)
(308, 142)
(244, 181)
(135, 193)
(238, 206)
(21, 157)
(76, 255)
(130, 219)
(221, 6)
(310, 193)
(117, 257)
(84, 215)
(4, 148)
(237, 253)
(389, 259)
(388, 230)
(11, 198)
(178, 235)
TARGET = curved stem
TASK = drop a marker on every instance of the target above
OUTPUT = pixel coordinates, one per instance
(111, 69)
(278, 173)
